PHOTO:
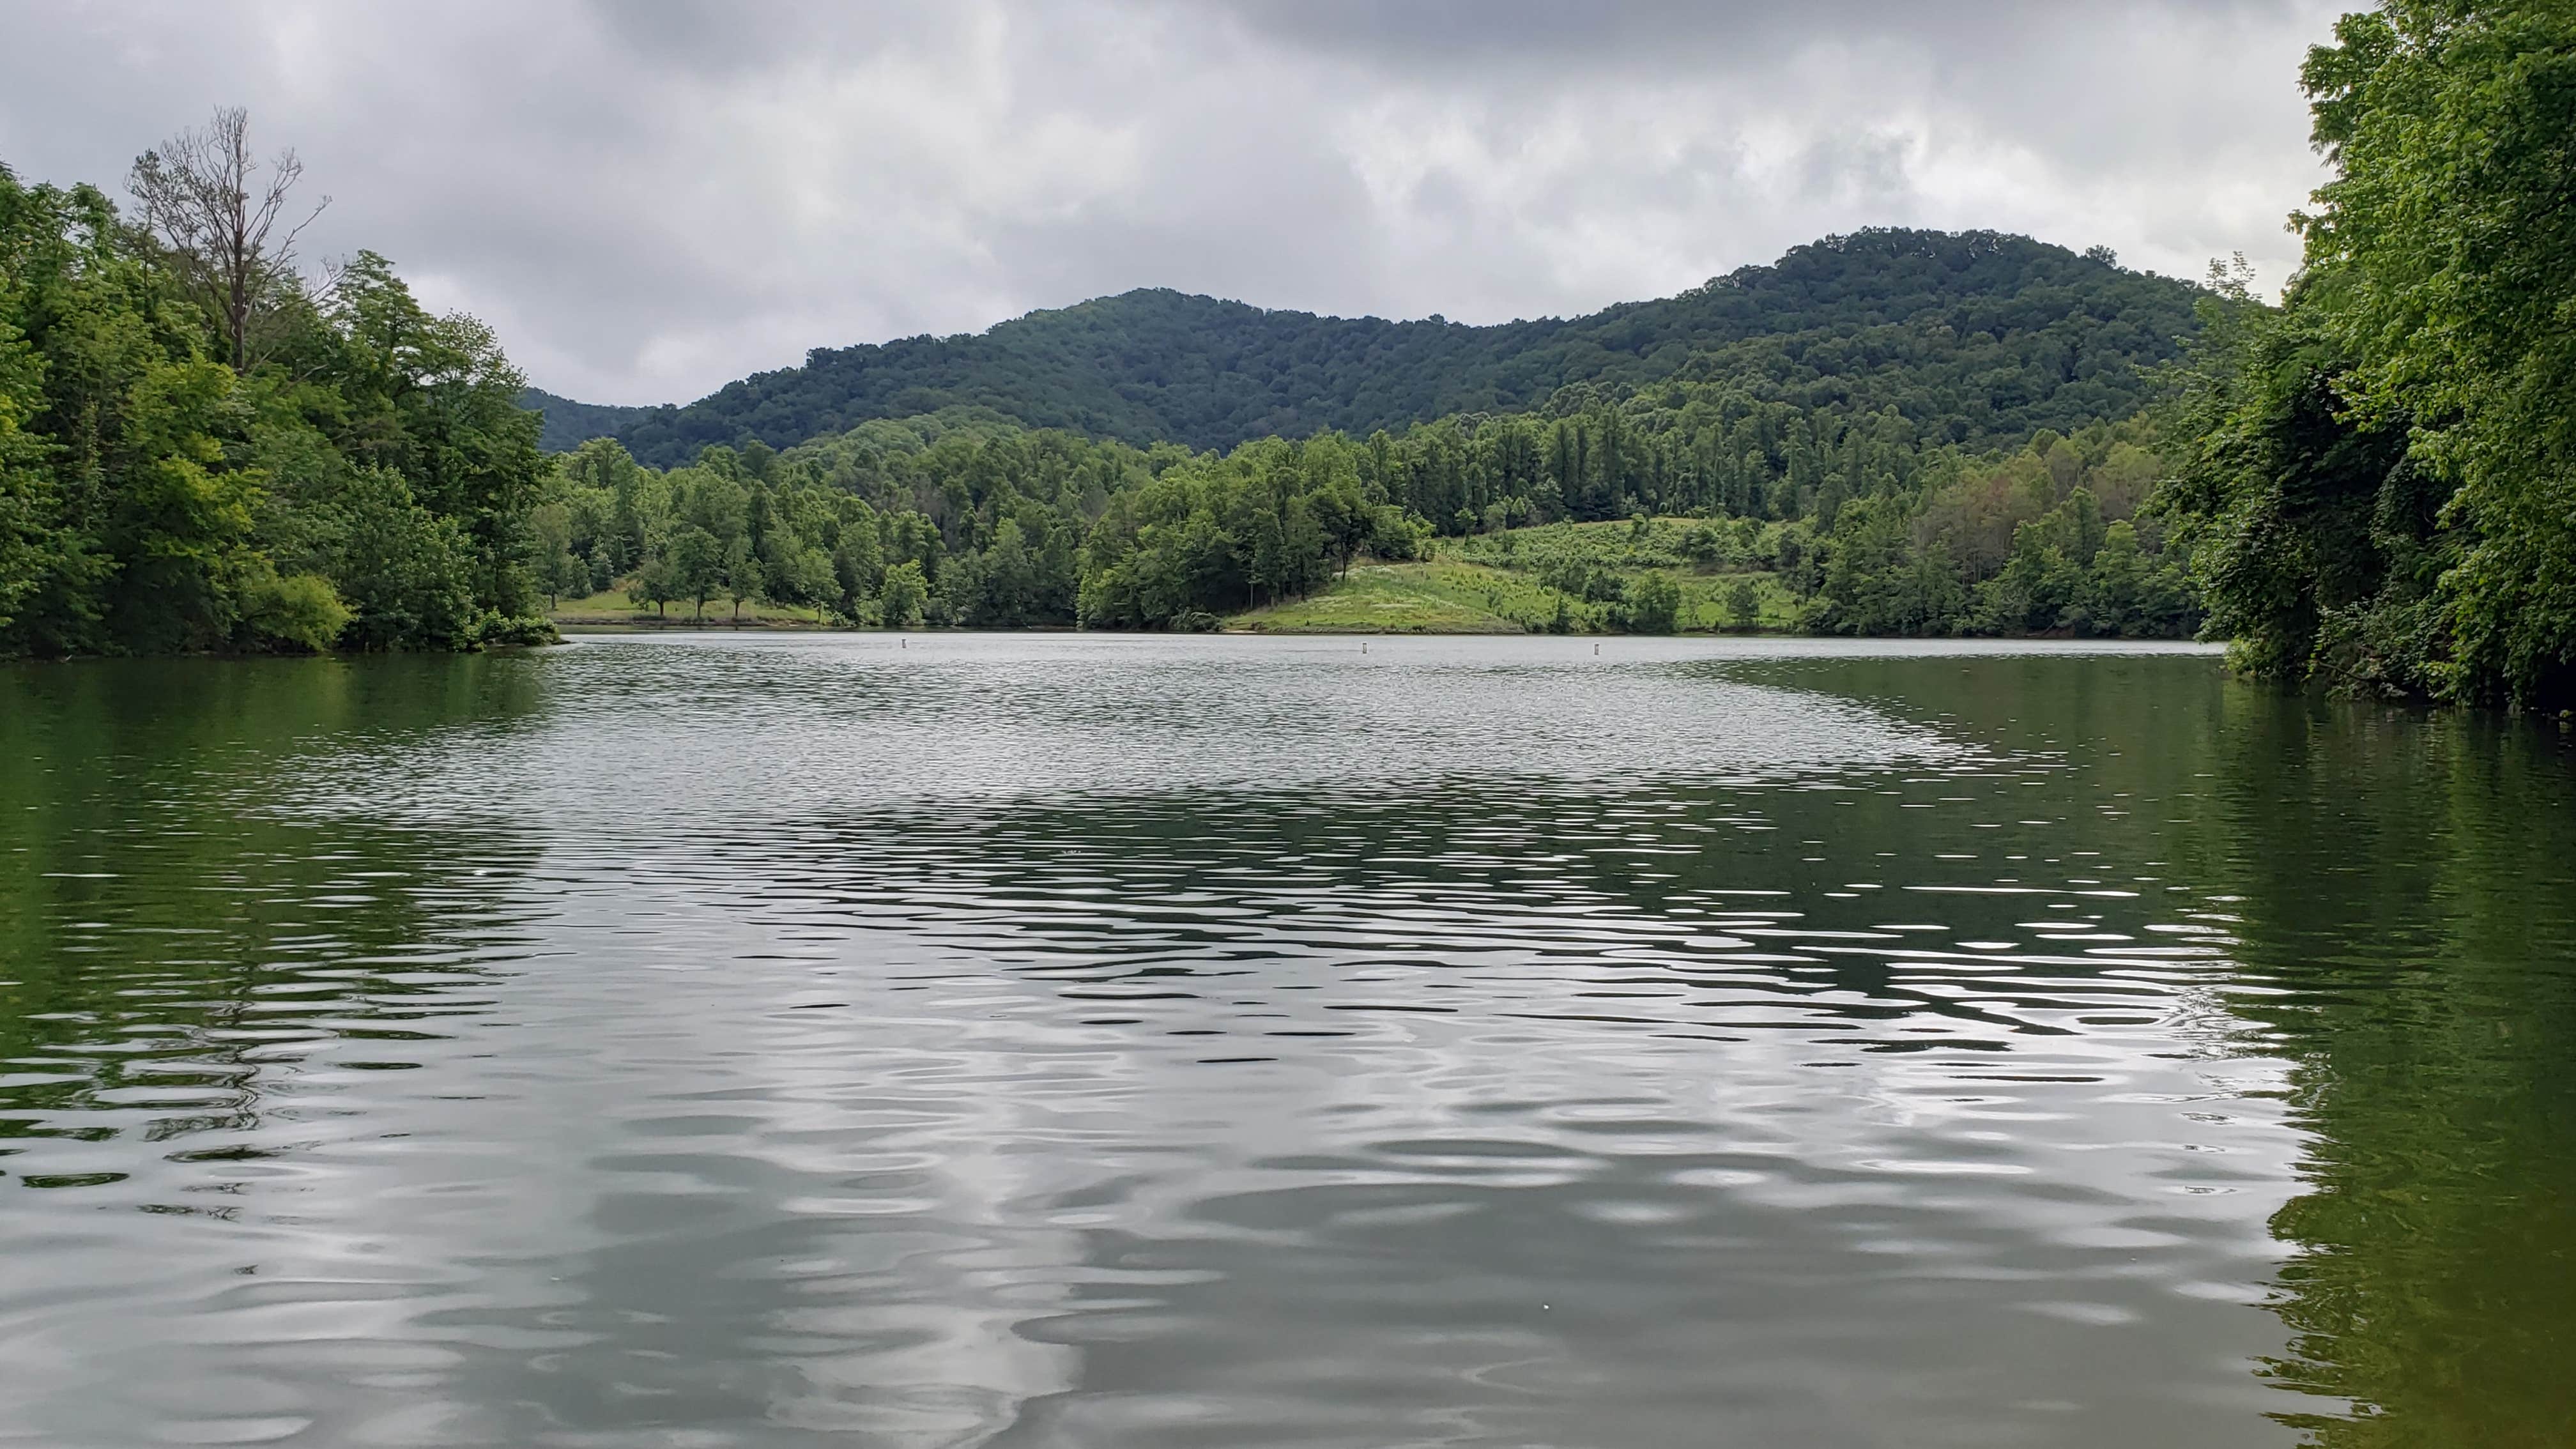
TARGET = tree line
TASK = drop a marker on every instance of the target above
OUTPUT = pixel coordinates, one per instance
(966, 518)
(206, 446)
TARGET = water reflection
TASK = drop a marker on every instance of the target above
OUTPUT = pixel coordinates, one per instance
(203, 1008)
(2404, 891)
(1217, 1042)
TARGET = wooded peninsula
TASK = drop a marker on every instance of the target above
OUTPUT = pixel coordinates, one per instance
(2371, 486)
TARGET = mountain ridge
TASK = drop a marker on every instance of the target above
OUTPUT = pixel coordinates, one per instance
(569, 424)
(1986, 336)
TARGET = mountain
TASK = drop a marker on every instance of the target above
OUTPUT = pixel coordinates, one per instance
(570, 424)
(1986, 337)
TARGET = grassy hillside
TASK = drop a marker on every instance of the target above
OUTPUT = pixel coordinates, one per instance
(1976, 337)
(1416, 598)
(1575, 578)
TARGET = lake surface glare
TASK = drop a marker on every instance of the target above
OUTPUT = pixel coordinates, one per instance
(1016, 1040)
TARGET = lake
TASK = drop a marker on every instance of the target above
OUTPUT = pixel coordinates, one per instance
(1093, 1040)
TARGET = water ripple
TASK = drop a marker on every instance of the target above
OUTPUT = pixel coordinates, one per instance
(1148, 1042)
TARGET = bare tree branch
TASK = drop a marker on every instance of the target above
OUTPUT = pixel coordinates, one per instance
(200, 196)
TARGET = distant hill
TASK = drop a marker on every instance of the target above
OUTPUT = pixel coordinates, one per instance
(1983, 336)
(570, 424)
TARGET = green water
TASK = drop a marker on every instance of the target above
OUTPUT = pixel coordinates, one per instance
(1106, 1041)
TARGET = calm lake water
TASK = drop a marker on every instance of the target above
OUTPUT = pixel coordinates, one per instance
(1099, 1041)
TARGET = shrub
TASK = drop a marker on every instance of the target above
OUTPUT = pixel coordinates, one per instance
(299, 612)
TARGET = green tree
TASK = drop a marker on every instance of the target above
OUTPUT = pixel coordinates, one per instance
(1009, 583)
(901, 597)
(1876, 581)
(697, 564)
(2382, 489)
(743, 575)
(1744, 603)
(656, 583)
(858, 565)
(437, 401)
(1654, 604)
(559, 569)
(301, 611)
(2114, 594)
(798, 576)
(405, 572)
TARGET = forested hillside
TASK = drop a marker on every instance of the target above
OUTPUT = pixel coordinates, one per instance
(1971, 337)
(570, 424)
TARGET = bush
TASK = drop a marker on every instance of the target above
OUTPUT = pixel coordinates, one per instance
(1654, 605)
(300, 612)
(1744, 604)
(508, 631)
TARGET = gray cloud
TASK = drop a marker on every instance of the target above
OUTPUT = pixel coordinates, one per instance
(650, 197)
(1650, 35)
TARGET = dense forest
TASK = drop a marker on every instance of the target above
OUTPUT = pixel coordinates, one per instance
(1972, 337)
(203, 447)
(969, 518)
(2379, 476)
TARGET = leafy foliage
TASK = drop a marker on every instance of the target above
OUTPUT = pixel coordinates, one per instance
(2384, 469)
(965, 519)
(364, 481)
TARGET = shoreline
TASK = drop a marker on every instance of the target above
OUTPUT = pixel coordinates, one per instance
(598, 629)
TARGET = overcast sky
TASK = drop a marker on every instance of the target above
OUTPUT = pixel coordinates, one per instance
(651, 197)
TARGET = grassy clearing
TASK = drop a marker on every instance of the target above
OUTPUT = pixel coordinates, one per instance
(1564, 577)
(1597, 562)
(1704, 603)
(1431, 598)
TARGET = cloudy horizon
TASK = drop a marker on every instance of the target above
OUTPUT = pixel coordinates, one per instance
(647, 200)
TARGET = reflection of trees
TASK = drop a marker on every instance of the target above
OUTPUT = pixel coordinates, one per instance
(2408, 882)
(168, 935)
(2410, 886)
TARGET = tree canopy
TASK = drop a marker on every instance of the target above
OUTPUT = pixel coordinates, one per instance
(207, 449)
(2382, 471)
(570, 424)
